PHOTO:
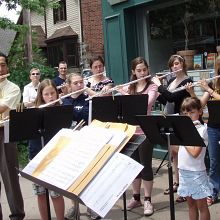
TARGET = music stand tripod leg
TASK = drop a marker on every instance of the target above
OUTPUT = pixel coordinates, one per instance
(170, 175)
(161, 164)
(125, 206)
(47, 191)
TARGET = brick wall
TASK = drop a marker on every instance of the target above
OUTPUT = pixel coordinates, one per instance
(91, 12)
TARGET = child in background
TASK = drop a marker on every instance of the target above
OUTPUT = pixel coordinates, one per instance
(47, 92)
(193, 180)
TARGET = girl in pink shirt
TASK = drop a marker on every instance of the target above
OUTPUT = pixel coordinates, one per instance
(139, 69)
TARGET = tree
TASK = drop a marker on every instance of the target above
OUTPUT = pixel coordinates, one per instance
(17, 63)
(34, 5)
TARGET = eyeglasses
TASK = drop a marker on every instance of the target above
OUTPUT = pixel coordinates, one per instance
(35, 74)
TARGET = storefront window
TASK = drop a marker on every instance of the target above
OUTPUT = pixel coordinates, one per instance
(202, 24)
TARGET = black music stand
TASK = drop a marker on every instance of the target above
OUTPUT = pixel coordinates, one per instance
(170, 130)
(42, 123)
(122, 109)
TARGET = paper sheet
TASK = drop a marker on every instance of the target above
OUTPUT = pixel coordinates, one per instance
(78, 151)
(113, 179)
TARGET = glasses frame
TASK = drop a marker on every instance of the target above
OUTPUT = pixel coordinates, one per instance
(35, 74)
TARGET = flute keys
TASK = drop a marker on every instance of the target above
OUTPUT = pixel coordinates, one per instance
(20, 107)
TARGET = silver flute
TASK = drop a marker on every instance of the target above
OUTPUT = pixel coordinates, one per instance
(98, 74)
(116, 87)
(169, 73)
(194, 84)
(62, 97)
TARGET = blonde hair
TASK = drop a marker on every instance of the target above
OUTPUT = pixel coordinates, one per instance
(33, 69)
(70, 76)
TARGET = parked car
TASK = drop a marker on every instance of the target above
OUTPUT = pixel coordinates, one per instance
(86, 73)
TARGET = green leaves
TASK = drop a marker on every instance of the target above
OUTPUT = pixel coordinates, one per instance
(6, 23)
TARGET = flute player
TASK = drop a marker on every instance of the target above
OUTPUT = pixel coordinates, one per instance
(211, 92)
(143, 155)
(99, 82)
(9, 97)
(173, 104)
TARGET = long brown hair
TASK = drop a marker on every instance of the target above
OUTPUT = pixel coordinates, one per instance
(217, 72)
(134, 63)
(181, 60)
(46, 82)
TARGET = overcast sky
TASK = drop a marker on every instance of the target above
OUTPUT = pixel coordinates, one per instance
(12, 14)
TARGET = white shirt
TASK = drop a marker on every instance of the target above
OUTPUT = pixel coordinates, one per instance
(30, 92)
(186, 161)
(9, 95)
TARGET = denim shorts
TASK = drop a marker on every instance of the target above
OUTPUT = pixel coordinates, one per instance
(194, 184)
(40, 190)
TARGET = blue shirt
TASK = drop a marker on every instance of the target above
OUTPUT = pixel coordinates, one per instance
(58, 81)
(80, 107)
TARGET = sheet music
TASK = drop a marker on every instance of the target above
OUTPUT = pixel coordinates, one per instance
(110, 183)
(78, 151)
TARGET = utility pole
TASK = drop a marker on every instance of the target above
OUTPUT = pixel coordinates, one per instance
(28, 43)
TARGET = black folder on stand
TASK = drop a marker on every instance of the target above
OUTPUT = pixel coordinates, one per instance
(34, 123)
(122, 108)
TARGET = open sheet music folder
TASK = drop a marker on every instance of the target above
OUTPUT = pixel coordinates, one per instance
(79, 163)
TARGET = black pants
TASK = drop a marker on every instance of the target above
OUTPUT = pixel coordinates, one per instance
(8, 165)
(143, 155)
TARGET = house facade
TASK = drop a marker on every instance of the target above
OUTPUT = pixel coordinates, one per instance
(72, 32)
(6, 38)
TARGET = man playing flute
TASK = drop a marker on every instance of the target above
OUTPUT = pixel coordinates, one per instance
(9, 97)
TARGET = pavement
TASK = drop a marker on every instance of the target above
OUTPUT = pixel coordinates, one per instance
(159, 200)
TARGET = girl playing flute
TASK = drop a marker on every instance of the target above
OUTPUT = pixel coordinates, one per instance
(139, 69)
(173, 103)
(212, 91)
(47, 92)
(80, 105)
(99, 82)
(193, 180)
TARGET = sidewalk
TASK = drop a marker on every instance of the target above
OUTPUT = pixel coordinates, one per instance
(160, 201)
